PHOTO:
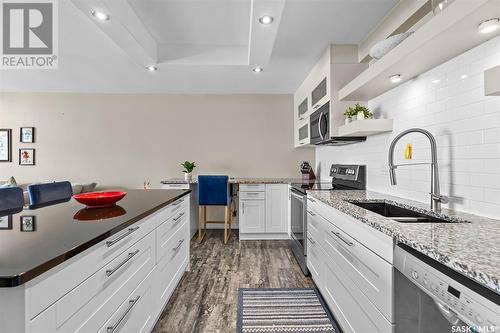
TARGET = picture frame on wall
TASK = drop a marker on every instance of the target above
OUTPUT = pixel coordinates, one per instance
(27, 223)
(27, 156)
(6, 222)
(27, 135)
(5, 145)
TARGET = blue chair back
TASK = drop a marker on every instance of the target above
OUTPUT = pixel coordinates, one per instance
(49, 193)
(11, 200)
(213, 191)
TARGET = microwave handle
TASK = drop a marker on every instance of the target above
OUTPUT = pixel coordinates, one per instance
(319, 127)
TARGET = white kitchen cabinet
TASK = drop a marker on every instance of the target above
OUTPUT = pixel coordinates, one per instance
(355, 280)
(123, 282)
(276, 208)
(334, 68)
(264, 211)
(252, 216)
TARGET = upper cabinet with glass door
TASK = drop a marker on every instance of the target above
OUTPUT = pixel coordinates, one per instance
(321, 93)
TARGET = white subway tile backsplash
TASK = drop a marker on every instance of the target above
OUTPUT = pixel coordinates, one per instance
(466, 125)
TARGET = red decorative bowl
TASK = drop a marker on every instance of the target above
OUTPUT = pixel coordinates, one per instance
(99, 199)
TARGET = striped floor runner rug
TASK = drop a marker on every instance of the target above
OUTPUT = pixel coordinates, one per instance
(283, 310)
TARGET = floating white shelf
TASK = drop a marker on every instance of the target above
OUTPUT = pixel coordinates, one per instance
(445, 36)
(366, 127)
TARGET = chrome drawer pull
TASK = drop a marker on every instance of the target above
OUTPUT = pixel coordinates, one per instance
(312, 200)
(312, 214)
(253, 193)
(175, 249)
(110, 272)
(177, 203)
(131, 305)
(179, 217)
(342, 238)
(122, 236)
(311, 240)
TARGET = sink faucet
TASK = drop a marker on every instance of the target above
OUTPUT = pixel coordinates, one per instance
(436, 197)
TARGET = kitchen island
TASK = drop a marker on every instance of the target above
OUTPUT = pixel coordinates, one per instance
(77, 269)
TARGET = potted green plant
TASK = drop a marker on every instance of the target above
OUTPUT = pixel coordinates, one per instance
(358, 111)
(349, 114)
(188, 169)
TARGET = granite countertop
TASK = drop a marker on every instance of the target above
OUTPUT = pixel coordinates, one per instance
(63, 230)
(471, 249)
(239, 180)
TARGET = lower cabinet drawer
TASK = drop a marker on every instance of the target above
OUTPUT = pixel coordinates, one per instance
(252, 188)
(53, 285)
(179, 186)
(252, 195)
(169, 229)
(135, 314)
(371, 274)
(315, 256)
(171, 266)
(353, 311)
(89, 305)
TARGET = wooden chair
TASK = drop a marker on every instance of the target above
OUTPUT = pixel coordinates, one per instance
(214, 191)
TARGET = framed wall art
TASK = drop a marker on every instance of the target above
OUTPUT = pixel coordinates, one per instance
(27, 135)
(5, 145)
(26, 156)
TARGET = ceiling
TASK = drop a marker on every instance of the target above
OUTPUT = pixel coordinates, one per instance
(198, 46)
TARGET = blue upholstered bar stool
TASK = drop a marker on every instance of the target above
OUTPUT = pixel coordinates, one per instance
(49, 193)
(11, 200)
(214, 191)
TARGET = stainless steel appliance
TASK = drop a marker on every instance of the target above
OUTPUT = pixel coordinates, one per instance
(344, 177)
(321, 133)
(433, 298)
(320, 123)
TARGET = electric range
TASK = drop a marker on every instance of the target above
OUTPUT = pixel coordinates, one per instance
(344, 177)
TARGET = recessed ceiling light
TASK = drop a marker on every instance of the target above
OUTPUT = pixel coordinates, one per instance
(152, 68)
(436, 81)
(257, 69)
(266, 19)
(464, 76)
(489, 26)
(395, 78)
(100, 15)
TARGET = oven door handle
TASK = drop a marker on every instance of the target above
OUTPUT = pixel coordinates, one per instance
(297, 196)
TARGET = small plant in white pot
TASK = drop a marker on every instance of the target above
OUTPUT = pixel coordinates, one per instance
(359, 111)
(188, 169)
(349, 115)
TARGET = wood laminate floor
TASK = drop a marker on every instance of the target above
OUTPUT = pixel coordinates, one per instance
(206, 299)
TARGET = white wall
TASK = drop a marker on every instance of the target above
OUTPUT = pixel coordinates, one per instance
(124, 139)
(466, 125)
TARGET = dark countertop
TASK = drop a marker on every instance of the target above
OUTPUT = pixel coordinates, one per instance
(471, 249)
(58, 236)
(238, 180)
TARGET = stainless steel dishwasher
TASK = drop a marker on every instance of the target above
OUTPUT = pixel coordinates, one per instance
(432, 298)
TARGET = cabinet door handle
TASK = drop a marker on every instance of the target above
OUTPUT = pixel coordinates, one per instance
(310, 199)
(243, 208)
(342, 238)
(311, 240)
(179, 217)
(122, 236)
(175, 249)
(131, 304)
(110, 272)
(311, 213)
(178, 202)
